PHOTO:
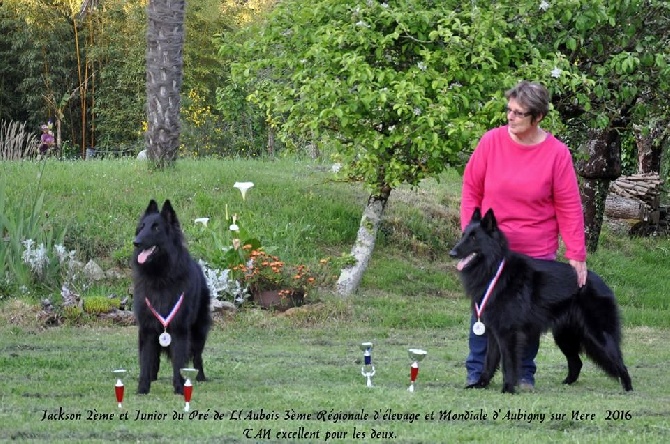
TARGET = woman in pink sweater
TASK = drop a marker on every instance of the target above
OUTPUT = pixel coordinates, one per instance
(527, 176)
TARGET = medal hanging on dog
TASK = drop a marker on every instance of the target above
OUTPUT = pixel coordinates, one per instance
(165, 339)
(478, 327)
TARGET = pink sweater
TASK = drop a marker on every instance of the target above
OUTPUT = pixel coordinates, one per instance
(533, 192)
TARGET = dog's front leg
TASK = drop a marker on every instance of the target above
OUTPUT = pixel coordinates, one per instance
(511, 345)
(149, 358)
(179, 353)
(491, 362)
(155, 367)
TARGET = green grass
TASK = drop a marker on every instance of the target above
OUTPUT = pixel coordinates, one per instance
(270, 364)
(308, 361)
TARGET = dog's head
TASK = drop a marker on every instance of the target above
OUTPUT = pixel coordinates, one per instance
(481, 240)
(156, 233)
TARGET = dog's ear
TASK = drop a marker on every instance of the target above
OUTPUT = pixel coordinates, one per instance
(489, 222)
(476, 215)
(152, 208)
(169, 214)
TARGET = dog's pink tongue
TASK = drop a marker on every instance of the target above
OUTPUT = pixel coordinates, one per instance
(144, 255)
(464, 262)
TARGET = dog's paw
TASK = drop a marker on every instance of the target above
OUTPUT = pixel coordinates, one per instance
(509, 388)
(179, 390)
(478, 385)
(143, 390)
(569, 380)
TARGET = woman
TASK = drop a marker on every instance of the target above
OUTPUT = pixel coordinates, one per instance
(46, 140)
(527, 176)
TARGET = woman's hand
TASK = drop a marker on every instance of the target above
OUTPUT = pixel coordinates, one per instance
(580, 268)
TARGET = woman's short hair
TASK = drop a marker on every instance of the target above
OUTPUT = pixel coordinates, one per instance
(531, 95)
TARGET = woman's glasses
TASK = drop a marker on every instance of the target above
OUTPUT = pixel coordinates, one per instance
(516, 113)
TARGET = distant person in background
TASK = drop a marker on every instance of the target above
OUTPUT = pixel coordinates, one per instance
(47, 140)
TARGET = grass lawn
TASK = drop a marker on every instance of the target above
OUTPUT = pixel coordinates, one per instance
(296, 376)
(270, 374)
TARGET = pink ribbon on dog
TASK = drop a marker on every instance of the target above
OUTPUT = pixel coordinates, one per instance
(161, 319)
(479, 308)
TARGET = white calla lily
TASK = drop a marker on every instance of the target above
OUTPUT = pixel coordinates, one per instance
(243, 187)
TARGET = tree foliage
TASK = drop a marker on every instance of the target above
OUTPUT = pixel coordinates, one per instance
(118, 55)
(40, 73)
(52, 51)
(246, 126)
(403, 89)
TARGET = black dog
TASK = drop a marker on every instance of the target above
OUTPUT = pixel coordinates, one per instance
(171, 298)
(530, 297)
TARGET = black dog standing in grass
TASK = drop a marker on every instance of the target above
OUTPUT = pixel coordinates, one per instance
(170, 300)
(518, 298)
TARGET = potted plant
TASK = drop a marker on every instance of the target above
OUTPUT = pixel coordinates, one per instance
(238, 267)
(272, 282)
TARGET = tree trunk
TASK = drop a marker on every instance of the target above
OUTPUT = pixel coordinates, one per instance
(602, 164)
(649, 147)
(603, 155)
(271, 141)
(59, 146)
(350, 277)
(594, 194)
(165, 63)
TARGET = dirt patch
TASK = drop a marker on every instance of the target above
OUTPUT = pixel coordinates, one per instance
(20, 313)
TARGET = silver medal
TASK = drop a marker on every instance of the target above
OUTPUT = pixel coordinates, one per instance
(164, 339)
(478, 328)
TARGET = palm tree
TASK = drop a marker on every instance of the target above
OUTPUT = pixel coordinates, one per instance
(165, 63)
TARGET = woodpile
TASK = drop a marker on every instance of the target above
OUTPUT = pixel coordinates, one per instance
(635, 197)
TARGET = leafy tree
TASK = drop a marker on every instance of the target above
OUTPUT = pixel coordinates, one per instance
(246, 126)
(623, 50)
(44, 72)
(118, 56)
(11, 105)
(83, 62)
(402, 91)
(206, 128)
(203, 69)
(121, 92)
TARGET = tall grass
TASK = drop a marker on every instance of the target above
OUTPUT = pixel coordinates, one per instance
(28, 239)
(16, 142)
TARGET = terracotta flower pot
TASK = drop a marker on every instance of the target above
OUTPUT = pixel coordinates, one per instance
(273, 299)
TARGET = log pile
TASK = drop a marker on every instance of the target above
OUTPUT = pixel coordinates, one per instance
(635, 197)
